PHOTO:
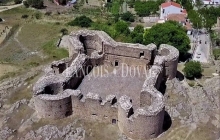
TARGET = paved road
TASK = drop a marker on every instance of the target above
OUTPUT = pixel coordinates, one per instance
(202, 50)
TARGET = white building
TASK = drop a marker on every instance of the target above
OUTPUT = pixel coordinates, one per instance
(170, 8)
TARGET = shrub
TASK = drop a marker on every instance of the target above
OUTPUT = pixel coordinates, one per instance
(57, 23)
(128, 16)
(216, 53)
(192, 69)
(24, 16)
(35, 3)
(122, 27)
(81, 21)
(18, 1)
(48, 13)
(26, 4)
(38, 15)
(53, 52)
(64, 31)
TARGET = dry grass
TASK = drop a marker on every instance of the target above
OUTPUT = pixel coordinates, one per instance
(34, 35)
(5, 68)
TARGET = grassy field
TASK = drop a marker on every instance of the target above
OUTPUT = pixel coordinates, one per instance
(115, 9)
(32, 43)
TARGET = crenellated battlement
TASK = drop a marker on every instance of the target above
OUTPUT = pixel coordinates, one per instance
(139, 115)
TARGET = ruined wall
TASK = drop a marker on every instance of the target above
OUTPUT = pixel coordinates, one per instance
(89, 41)
(91, 106)
(55, 96)
(129, 54)
(142, 123)
(54, 106)
(171, 57)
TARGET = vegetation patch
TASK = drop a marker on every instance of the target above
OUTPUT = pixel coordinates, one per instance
(81, 21)
(193, 69)
(146, 8)
(53, 52)
(115, 9)
(171, 33)
(216, 53)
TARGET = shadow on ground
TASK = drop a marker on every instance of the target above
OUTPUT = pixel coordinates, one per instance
(167, 121)
(179, 76)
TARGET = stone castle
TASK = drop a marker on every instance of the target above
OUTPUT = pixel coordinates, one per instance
(135, 104)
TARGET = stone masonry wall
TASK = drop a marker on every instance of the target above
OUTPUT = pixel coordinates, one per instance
(56, 98)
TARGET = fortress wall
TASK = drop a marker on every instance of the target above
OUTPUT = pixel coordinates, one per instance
(127, 61)
(171, 56)
(78, 106)
(76, 79)
(60, 65)
(160, 78)
(123, 50)
(145, 127)
(154, 79)
(53, 106)
(51, 84)
(125, 110)
(93, 42)
(171, 69)
(144, 123)
(91, 106)
(145, 99)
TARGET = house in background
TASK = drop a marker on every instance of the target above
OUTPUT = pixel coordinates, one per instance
(171, 8)
(175, 12)
(183, 20)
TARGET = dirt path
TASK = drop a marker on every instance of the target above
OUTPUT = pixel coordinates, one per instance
(25, 49)
(4, 8)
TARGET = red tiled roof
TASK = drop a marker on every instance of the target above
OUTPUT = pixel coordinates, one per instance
(167, 4)
(180, 18)
(184, 11)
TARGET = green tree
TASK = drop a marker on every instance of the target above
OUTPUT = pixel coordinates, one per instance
(128, 16)
(216, 53)
(38, 15)
(18, 1)
(168, 33)
(39, 4)
(199, 3)
(26, 4)
(64, 31)
(139, 29)
(146, 8)
(195, 19)
(81, 21)
(192, 69)
(209, 16)
(137, 34)
(187, 4)
(122, 27)
(24, 16)
(131, 3)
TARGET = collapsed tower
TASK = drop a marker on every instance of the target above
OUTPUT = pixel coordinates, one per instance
(140, 115)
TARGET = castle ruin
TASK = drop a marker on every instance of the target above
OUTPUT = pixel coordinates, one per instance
(135, 103)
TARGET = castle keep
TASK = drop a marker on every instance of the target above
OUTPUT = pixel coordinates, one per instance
(135, 103)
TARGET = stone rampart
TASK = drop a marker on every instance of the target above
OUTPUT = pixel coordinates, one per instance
(171, 60)
(56, 95)
(54, 106)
